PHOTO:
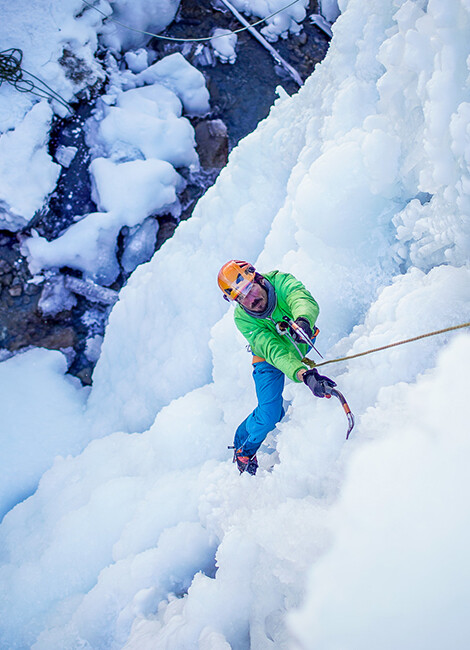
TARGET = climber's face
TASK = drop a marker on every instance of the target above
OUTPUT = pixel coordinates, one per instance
(256, 299)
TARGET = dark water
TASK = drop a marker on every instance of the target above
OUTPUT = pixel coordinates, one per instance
(242, 93)
(72, 195)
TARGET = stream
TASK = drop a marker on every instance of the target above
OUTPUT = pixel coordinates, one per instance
(241, 95)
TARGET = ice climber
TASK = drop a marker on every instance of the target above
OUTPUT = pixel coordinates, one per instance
(263, 302)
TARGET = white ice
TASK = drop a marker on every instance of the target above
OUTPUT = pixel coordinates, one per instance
(34, 389)
(329, 10)
(148, 537)
(23, 153)
(224, 44)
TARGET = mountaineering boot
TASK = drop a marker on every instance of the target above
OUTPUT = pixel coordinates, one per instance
(244, 462)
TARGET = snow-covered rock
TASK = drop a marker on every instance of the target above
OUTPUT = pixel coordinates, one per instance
(137, 144)
(24, 154)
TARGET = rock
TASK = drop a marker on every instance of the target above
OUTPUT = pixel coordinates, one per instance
(32, 289)
(85, 376)
(58, 339)
(16, 290)
(167, 226)
(212, 144)
(4, 267)
(56, 298)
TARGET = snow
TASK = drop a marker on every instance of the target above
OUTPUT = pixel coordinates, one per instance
(329, 10)
(175, 73)
(147, 537)
(138, 60)
(143, 15)
(34, 389)
(401, 525)
(224, 43)
(285, 20)
(128, 193)
(58, 42)
(44, 32)
(125, 134)
(137, 145)
(23, 152)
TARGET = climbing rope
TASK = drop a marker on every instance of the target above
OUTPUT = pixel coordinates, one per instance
(189, 40)
(11, 71)
(385, 347)
(337, 393)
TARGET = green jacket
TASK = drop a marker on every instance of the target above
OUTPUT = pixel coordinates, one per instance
(293, 300)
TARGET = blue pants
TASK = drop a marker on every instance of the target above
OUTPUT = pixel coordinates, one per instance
(269, 384)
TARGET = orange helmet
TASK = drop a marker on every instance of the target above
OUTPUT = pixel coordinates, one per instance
(236, 278)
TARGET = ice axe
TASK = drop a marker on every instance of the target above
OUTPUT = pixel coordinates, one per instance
(347, 410)
(289, 323)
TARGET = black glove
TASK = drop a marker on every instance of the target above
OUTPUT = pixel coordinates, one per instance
(244, 462)
(305, 325)
(319, 384)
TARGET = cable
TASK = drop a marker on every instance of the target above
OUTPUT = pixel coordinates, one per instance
(11, 59)
(189, 40)
(11, 71)
(392, 345)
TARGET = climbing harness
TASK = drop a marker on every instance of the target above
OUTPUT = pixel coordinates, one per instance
(11, 71)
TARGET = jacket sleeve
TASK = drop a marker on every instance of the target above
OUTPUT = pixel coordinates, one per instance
(298, 299)
(268, 344)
